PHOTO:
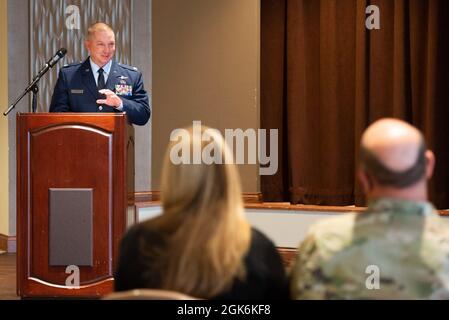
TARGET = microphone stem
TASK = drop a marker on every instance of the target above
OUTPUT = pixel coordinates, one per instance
(33, 85)
(30, 87)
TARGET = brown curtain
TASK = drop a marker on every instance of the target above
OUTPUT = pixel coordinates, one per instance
(325, 78)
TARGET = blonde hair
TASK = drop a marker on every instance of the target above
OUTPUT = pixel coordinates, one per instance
(99, 26)
(203, 214)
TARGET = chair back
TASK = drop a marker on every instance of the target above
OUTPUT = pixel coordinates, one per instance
(148, 294)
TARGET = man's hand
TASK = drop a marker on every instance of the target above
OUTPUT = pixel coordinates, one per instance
(111, 98)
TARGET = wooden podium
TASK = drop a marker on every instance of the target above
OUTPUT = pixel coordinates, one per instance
(74, 197)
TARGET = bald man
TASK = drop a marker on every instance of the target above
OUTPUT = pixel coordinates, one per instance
(399, 247)
(100, 84)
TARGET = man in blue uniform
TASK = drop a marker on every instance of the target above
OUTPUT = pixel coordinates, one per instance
(100, 84)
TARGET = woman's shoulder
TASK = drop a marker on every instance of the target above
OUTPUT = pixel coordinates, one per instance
(261, 246)
(144, 229)
(260, 238)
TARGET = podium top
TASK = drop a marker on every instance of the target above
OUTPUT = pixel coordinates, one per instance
(106, 121)
(71, 114)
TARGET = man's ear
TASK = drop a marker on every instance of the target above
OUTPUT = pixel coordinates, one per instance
(87, 45)
(365, 180)
(430, 163)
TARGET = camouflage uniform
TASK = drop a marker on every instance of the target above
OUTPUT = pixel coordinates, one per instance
(406, 242)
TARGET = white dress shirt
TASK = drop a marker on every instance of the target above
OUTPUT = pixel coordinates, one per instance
(95, 68)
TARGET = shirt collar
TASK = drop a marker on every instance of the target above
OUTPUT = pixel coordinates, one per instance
(95, 67)
(400, 206)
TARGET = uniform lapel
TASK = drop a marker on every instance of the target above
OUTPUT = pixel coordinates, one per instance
(89, 80)
(112, 77)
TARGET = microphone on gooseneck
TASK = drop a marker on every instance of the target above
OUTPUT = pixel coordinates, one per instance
(50, 63)
(60, 54)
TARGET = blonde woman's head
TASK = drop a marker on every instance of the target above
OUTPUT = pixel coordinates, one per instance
(202, 180)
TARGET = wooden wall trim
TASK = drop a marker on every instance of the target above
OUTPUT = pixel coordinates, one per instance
(313, 208)
(302, 207)
(3, 242)
(253, 200)
(147, 196)
(288, 256)
(155, 196)
(8, 243)
(252, 197)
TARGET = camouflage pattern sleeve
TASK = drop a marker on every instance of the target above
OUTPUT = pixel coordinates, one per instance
(306, 282)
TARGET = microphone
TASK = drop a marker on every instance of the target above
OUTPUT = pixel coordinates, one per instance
(59, 55)
(50, 63)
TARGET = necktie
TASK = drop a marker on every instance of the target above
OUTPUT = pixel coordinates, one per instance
(101, 84)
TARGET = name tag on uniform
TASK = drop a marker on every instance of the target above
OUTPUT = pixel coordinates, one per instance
(123, 90)
(77, 91)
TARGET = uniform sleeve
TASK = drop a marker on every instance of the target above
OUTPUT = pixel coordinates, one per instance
(307, 279)
(60, 99)
(137, 107)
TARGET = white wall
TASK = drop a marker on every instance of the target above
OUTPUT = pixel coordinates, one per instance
(285, 228)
